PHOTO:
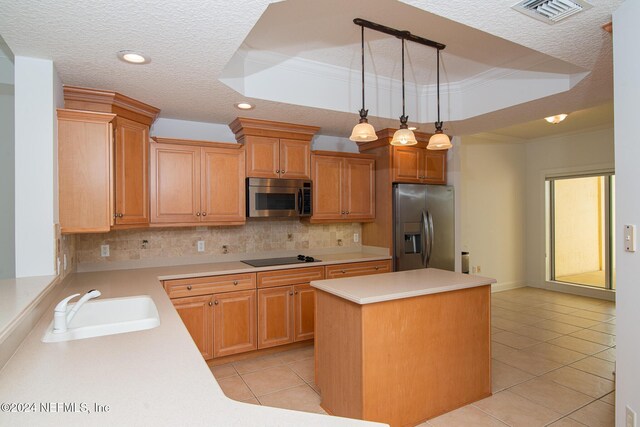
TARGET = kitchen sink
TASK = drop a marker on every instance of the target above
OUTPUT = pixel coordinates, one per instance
(109, 316)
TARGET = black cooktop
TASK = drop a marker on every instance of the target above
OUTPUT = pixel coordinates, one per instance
(300, 259)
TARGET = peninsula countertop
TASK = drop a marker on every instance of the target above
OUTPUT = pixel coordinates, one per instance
(153, 377)
(400, 284)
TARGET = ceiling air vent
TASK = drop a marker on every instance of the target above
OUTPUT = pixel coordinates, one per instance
(551, 11)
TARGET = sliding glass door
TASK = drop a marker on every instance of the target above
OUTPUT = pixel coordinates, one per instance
(581, 223)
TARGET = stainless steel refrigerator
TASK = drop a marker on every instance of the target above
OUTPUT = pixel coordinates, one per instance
(423, 227)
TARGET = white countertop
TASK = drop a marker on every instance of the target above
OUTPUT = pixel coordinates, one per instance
(397, 285)
(154, 377)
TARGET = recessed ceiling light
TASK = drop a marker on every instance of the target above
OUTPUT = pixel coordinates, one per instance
(133, 57)
(556, 119)
(244, 106)
(413, 128)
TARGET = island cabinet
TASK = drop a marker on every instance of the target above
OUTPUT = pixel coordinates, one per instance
(197, 183)
(274, 149)
(130, 155)
(286, 305)
(343, 187)
(357, 269)
(219, 312)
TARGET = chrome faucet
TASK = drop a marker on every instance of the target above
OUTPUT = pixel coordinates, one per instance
(61, 318)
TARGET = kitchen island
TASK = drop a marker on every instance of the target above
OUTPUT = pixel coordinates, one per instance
(403, 347)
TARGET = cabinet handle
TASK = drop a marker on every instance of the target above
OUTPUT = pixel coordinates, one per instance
(295, 292)
(282, 171)
(377, 267)
(216, 302)
(278, 171)
(210, 303)
(235, 283)
(204, 214)
(347, 212)
(188, 287)
(290, 292)
(197, 213)
(342, 271)
(342, 212)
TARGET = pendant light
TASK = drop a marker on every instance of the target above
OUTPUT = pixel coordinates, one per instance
(403, 136)
(363, 131)
(439, 140)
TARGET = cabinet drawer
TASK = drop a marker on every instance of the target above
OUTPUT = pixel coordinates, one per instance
(293, 276)
(357, 269)
(209, 285)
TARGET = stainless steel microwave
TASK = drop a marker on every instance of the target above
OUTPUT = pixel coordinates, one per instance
(278, 197)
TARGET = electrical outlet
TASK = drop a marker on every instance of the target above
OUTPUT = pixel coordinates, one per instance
(631, 417)
(356, 237)
(200, 245)
(104, 250)
(64, 262)
(290, 237)
(339, 242)
(478, 269)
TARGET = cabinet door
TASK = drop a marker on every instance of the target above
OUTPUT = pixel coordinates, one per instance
(435, 166)
(407, 164)
(223, 186)
(304, 312)
(359, 194)
(295, 159)
(132, 170)
(263, 157)
(175, 183)
(234, 322)
(275, 316)
(357, 269)
(197, 316)
(327, 187)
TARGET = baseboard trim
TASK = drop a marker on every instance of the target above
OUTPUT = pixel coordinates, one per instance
(585, 291)
(505, 286)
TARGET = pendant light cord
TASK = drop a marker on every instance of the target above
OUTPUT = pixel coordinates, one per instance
(403, 115)
(438, 87)
(362, 51)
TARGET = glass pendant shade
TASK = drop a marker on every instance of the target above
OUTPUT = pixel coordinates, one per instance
(403, 136)
(363, 132)
(439, 141)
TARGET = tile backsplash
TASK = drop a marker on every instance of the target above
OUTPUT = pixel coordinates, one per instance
(256, 236)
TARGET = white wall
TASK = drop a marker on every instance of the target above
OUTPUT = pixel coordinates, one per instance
(7, 170)
(37, 94)
(569, 153)
(492, 211)
(173, 128)
(627, 153)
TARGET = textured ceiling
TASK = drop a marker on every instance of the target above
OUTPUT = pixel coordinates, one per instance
(191, 41)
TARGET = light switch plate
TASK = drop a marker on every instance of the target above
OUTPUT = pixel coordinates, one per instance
(104, 250)
(629, 238)
(631, 417)
(200, 245)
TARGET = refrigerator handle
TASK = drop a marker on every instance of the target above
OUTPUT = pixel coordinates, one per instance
(430, 226)
(425, 237)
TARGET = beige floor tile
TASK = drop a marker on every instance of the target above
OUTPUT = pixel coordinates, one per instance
(558, 308)
(524, 361)
(314, 387)
(610, 398)
(552, 395)
(608, 355)
(600, 317)
(560, 355)
(234, 388)
(495, 330)
(555, 326)
(581, 381)
(605, 308)
(596, 336)
(253, 401)
(256, 364)
(271, 380)
(612, 321)
(577, 344)
(464, 417)
(540, 312)
(304, 368)
(295, 355)
(607, 328)
(504, 376)
(536, 333)
(506, 324)
(516, 411)
(566, 422)
(596, 414)
(300, 398)
(595, 366)
(223, 371)
(517, 316)
(514, 340)
(570, 319)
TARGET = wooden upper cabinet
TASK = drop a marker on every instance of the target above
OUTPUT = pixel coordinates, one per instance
(197, 315)
(197, 182)
(85, 171)
(234, 323)
(304, 312)
(435, 166)
(343, 187)
(132, 171)
(419, 165)
(223, 186)
(175, 183)
(295, 159)
(275, 149)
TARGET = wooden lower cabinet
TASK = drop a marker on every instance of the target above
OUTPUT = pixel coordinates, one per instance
(234, 323)
(357, 269)
(197, 315)
(304, 307)
(275, 316)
